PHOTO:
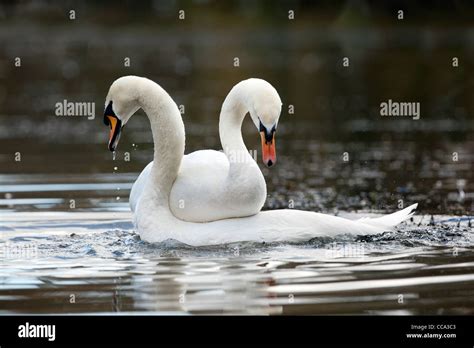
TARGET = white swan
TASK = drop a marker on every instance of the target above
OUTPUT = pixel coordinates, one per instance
(212, 185)
(153, 218)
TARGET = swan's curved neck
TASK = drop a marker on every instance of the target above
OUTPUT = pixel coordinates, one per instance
(168, 134)
(232, 115)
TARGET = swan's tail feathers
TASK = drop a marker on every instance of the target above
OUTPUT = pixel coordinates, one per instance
(388, 222)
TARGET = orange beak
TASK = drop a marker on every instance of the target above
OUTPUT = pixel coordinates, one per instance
(268, 150)
(114, 135)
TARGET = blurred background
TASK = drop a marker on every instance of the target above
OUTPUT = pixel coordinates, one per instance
(336, 108)
(56, 51)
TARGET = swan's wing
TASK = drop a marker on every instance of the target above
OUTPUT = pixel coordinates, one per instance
(200, 180)
(206, 189)
(198, 164)
(138, 186)
(200, 189)
(204, 164)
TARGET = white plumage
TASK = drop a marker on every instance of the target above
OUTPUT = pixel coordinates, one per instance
(151, 194)
(213, 185)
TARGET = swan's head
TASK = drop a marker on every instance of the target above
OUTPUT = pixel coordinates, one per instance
(121, 103)
(264, 106)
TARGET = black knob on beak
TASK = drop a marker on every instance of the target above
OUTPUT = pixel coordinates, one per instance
(268, 134)
(109, 111)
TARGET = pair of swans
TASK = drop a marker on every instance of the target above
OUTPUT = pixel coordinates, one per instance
(209, 197)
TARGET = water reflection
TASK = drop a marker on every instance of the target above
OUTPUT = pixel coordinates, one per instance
(86, 267)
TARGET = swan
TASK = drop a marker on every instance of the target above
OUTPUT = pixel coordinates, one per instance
(153, 217)
(214, 185)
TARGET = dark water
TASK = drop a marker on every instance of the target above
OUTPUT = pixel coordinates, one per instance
(66, 238)
(97, 262)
